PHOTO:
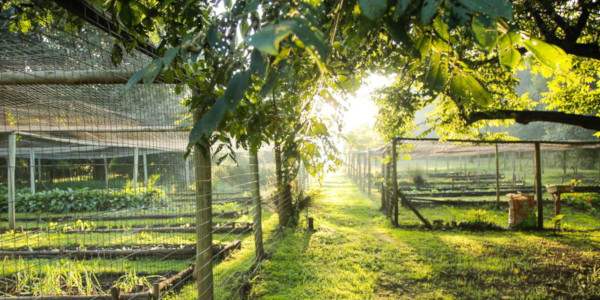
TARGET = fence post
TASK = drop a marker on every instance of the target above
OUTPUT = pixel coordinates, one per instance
(368, 172)
(11, 164)
(538, 186)
(32, 171)
(497, 176)
(105, 162)
(394, 184)
(136, 154)
(254, 170)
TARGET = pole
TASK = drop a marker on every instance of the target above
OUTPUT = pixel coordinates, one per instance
(145, 165)
(105, 161)
(12, 152)
(187, 173)
(368, 172)
(136, 154)
(32, 171)
(394, 183)
(497, 176)
(258, 239)
(538, 186)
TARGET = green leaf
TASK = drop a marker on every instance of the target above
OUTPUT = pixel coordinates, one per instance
(549, 55)
(135, 78)
(268, 38)
(236, 88)
(401, 7)
(465, 88)
(258, 64)
(509, 56)
(373, 9)
(208, 122)
(152, 71)
(310, 37)
(484, 30)
(441, 28)
(170, 55)
(491, 8)
(429, 10)
(437, 75)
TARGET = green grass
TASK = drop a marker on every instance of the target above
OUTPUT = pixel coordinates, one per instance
(356, 254)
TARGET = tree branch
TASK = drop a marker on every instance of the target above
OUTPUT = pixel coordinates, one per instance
(527, 116)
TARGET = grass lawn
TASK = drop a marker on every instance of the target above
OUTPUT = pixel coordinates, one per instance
(356, 254)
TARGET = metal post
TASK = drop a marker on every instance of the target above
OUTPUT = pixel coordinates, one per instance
(136, 154)
(32, 171)
(258, 240)
(394, 183)
(145, 165)
(12, 152)
(538, 186)
(106, 173)
(368, 172)
(187, 173)
(497, 176)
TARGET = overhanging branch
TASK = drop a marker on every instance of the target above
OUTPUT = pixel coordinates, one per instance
(528, 116)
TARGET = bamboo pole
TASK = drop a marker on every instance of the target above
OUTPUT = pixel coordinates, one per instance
(11, 164)
(258, 239)
(538, 186)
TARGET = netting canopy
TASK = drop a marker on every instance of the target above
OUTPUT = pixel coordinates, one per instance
(63, 95)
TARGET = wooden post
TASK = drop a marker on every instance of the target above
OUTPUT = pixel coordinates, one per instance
(368, 172)
(145, 167)
(11, 165)
(538, 186)
(258, 238)
(136, 154)
(106, 174)
(497, 176)
(115, 293)
(394, 184)
(156, 291)
(32, 171)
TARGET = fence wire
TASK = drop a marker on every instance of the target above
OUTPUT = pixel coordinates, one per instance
(103, 199)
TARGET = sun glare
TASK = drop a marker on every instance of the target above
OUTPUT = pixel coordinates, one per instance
(361, 108)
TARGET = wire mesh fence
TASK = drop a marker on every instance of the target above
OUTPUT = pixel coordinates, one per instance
(98, 199)
(462, 182)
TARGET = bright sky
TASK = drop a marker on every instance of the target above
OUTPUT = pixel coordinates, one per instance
(362, 109)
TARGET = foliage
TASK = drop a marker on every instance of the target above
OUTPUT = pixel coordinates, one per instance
(589, 202)
(81, 200)
(58, 278)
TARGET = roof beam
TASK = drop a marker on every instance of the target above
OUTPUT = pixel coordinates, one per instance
(77, 77)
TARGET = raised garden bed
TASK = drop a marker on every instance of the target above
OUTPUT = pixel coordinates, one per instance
(231, 227)
(225, 214)
(185, 252)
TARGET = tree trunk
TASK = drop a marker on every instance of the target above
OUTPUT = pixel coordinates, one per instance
(283, 192)
(258, 239)
(204, 255)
